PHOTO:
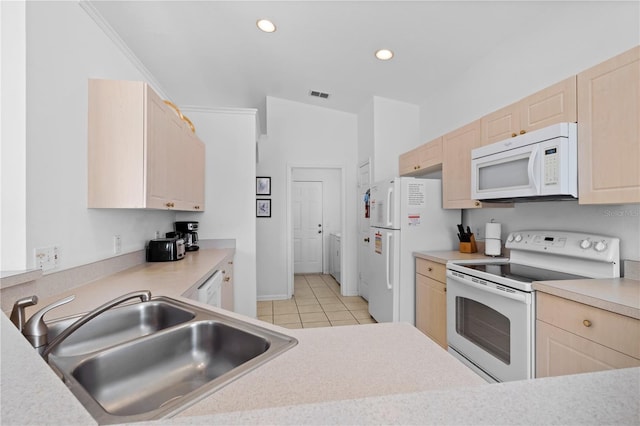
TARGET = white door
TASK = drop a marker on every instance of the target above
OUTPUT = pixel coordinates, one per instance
(307, 227)
(364, 185)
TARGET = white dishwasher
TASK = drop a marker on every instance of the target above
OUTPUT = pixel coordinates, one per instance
(210, 291)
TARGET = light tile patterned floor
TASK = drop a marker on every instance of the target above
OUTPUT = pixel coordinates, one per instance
(316, 302)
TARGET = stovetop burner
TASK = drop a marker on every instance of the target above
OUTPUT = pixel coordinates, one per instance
(522, 273)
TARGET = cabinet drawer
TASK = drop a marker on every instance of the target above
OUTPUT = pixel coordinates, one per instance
(615, 331)
(559, 352)
(435, 270)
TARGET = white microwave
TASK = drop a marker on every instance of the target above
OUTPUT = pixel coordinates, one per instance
(539, 165)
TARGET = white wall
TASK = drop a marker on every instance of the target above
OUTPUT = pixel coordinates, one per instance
(331, 203)
(590, 33)
(13, 136)
(310, 136)
(230, 139)
(396, 127)
(594, 31)
(64, 49)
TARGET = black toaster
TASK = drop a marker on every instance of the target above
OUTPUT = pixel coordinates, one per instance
(165, 249)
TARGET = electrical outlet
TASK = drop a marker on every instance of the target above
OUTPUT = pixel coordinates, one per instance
(117, 244)
(478, 236)
(47, 258)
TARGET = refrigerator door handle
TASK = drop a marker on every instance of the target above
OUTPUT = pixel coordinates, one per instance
(388, 261)
(389, 206)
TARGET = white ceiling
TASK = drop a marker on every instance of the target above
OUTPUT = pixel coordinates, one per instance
(210, 53)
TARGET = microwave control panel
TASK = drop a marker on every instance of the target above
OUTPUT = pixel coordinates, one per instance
(551, 166)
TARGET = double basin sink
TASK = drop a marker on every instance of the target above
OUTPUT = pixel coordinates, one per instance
(153, 359)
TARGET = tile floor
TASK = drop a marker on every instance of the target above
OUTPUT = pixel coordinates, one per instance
(316, 302)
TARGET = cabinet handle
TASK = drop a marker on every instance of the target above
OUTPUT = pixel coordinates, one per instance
(169, 204)
(230, 262)
(227, 279)
(429, 269)
(522, 132)
(513, 135)
(196, 207)
(477, 204)
(366, 240)
(586, 323)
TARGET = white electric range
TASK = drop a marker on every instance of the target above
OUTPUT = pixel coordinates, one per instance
(491, 303)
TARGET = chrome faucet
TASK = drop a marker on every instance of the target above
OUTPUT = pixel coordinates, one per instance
(35, 330)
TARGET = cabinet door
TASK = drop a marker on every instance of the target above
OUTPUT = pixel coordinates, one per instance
(609, 132)
(501, 124)
(227, 299)
(430, 154)
(555, 104)
(423, 159)
(163, 154)
(431, 309)
(456, 166)
(192, 169)
(408, 163)
(559, 352)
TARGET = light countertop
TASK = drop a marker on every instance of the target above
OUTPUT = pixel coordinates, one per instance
(619, 295)
(377, 373)
(447, 255)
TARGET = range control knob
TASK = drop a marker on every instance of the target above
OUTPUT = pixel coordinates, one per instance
(585, 244)
(600, 246)
(510, 238)
(518, 238)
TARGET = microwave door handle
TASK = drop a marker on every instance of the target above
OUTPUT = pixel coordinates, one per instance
(389, 206)
(531, 169)
(388, 261)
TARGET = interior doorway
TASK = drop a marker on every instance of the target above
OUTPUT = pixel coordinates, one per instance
(306, 212)
(330, 215)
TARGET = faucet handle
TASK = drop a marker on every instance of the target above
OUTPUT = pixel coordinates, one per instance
(17, 313)
(35, 330)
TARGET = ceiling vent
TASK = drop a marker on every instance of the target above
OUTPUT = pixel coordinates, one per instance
(319, 94)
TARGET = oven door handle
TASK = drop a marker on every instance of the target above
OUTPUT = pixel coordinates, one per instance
(518, 296)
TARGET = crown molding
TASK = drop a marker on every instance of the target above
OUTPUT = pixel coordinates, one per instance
(90, 9)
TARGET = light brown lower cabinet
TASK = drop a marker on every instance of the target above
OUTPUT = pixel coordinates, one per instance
(431, 300)
(574, 338)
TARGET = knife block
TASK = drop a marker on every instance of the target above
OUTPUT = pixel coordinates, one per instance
(469, 247)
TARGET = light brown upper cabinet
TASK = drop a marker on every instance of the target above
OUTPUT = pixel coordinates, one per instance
(141, 154)
(456, 166)
(609, 131)
(422, 159)
(555, 104)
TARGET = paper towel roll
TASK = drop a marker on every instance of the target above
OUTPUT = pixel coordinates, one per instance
(493, 231)
(492, 241)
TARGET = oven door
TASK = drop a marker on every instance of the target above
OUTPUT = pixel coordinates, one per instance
(490, 327)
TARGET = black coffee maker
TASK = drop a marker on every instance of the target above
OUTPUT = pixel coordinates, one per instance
(189, 232)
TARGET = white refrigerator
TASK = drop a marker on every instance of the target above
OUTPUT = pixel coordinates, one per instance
(406, 216)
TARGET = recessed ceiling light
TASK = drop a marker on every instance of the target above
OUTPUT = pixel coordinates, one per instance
(384, 54)
(266, 25)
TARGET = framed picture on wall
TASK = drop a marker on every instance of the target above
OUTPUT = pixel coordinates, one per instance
(263, 207)
(263, 185)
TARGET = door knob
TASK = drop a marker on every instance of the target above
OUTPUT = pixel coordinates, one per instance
(319, 231)
(319, 224)
(366, 240)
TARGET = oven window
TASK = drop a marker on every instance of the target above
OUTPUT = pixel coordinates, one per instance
(485, 327)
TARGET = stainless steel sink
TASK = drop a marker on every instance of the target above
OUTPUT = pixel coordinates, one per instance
(158, 374)
(116, 326)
